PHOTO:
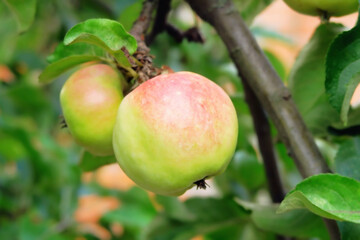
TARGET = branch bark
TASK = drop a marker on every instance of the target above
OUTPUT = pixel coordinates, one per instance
(144, 66)
(253, 66)
(142, 24)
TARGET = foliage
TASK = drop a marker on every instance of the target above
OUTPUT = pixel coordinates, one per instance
(41, 168)
(307, 78)
(323, 195)
(342, 76)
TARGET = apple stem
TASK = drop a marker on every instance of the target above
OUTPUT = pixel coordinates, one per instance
(201, 184)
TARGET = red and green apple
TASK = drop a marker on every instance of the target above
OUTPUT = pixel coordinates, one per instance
(90, 99)
(174, 131)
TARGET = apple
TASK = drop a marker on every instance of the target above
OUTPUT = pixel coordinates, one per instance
(174, 131)
(90, 99)
(319, 7)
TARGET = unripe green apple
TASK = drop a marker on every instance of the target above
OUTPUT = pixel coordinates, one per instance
(174, 131)
(89, 100)
(318, 7)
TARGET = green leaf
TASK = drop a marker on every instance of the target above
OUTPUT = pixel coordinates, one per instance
(57, 68)
(11, 148)
(90, 162)
(122, 59)
(130, 14)
(175, 209)
(231, 232)
(297, 223)
(162, 228)
(263, 32)
(131, 215)
(347, 160)
(63, 51)
(105, 33)
(249, 9)
(247, 231)
(139, 197)
(342, 70)
(9, 228)
(327, 195)
(247, 170)
(23, 11)
(349, 231)
(101, 32)
(353, 121)
(307, 79)
(353, 117)
(28, 99)
(276, 63)
(210, 215)
(136, 209)
(212, 209)
(8, 33)
(31, 230)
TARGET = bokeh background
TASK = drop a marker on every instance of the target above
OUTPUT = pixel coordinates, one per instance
(45, 194)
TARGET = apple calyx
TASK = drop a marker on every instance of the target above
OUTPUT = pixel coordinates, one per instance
(324, 16)
(63, 123)
(201, 184)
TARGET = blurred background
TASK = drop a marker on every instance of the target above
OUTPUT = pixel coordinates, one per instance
(44, 191)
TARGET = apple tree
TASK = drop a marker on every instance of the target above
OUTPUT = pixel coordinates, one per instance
(181, 96)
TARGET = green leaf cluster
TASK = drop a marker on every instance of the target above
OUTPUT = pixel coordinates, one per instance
(97, 38)
(41, 167)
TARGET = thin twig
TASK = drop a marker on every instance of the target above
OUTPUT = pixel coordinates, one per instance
(161, 24)
(192, 34)
(263, 132)
(160, 20)
(262, 128)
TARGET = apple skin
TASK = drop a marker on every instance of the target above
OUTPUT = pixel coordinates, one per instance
(316, 7)
(90, 99)
(174, 130)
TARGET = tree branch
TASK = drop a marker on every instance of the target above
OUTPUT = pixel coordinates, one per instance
(144, 65)
(253, 66)
(263, 133)
(160, 20)
(262, 128)
(192, 34)
(142, 24)
(161, 24)
(333, 229)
